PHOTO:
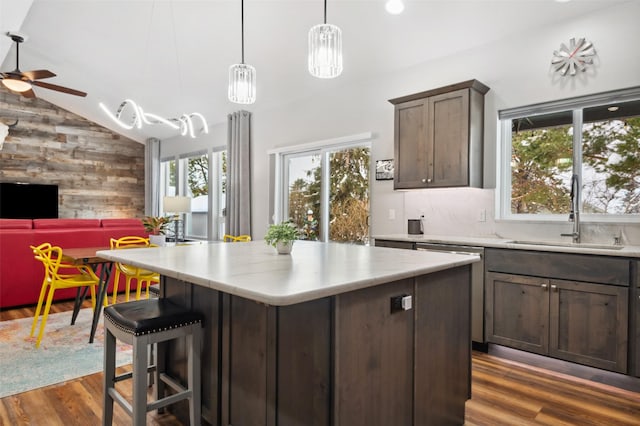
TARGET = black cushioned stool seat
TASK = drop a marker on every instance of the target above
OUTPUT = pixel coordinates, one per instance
(142, 323)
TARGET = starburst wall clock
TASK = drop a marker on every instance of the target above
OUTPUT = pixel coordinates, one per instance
(574, 57)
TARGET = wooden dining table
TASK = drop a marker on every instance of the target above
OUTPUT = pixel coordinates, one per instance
(102, 267)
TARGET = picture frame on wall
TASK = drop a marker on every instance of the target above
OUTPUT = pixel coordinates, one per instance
(384, 169)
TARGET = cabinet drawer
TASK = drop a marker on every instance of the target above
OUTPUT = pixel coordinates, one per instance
(395, 244)
(566, 266)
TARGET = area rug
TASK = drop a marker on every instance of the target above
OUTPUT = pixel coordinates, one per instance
(64, 354)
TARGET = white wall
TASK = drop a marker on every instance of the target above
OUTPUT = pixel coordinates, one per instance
(12, 14)
(518, 72)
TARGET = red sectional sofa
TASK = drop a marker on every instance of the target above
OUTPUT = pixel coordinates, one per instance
(21, 275)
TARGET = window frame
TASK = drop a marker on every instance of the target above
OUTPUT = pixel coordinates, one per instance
(215, 225)
(183, 190)
(324, 149)
(577, 106)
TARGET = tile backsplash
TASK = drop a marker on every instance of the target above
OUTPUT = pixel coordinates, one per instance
(471, 212)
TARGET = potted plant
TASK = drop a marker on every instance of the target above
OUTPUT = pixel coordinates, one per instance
(156, 226)
(281, 236)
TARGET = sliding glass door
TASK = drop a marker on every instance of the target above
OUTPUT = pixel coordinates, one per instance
(349, 195)
(326, 193)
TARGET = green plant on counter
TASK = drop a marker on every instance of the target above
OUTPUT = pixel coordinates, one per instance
(281, 232)
(156, 225)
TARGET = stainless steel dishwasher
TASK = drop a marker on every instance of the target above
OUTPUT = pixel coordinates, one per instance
(477, 283)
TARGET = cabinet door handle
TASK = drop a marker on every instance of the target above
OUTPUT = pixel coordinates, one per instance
(554, 287)
(544, 287)
(429, 180)
(424, 181)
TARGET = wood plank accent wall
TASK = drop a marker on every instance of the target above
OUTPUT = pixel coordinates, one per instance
(99, 173)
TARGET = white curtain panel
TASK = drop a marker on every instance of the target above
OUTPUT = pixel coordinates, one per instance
(152, 177)
(238, 221)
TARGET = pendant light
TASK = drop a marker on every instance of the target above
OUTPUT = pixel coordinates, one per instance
(394, 7)
(242, 77)
(325, 49)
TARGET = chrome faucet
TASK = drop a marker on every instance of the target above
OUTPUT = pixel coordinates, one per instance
(574, 214)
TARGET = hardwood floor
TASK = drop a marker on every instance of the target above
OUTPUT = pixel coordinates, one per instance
(505, 392)
(76, 402)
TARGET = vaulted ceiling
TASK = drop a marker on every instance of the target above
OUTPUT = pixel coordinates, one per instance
(172, 57)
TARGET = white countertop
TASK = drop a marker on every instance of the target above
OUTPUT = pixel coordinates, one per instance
(313, 269)
(554, 246)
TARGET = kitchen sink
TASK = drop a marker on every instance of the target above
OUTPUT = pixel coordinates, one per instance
(567, 244)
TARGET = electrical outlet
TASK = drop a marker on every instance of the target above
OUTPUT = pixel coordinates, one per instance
(401, 303)
(482, 217)
(392, 214)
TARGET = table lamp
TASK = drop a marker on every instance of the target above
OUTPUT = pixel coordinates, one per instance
(177, 205)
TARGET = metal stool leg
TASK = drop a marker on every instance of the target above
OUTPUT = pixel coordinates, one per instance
(109, 376)
(139, 381)
(193, 347)
(159, 389)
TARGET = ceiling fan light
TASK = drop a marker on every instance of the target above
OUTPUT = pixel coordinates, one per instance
(325, 51)
(16, 85)
(242, 84)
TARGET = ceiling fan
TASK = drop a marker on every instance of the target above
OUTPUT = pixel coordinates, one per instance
(22, 82)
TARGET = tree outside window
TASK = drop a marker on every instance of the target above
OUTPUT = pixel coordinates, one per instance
(611, 166)
(348, 196)
(543, 160)
(198, 175)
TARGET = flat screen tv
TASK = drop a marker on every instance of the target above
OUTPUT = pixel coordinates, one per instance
(28, 201)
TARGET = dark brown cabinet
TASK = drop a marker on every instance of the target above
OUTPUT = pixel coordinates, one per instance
(349, 359)
(634, 333)
(517, 311)
(578, 321)
(588, 324)
(364, 321)
(575, 321)
(407, 245)
(438, 137)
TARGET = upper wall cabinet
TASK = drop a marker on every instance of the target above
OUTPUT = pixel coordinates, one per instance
(438, 138)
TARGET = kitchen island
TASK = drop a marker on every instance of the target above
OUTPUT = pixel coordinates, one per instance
(333, 334)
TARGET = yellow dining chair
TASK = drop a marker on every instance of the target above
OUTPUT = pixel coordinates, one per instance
(51, 258)
(142, 276)
(236, 239)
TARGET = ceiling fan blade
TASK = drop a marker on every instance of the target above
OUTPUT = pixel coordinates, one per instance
(27, 94)
(59, 88)
(38, 74)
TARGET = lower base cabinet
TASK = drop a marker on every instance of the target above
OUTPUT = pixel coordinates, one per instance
(517, 312)
(634, 333)
(351, 359)
(575, 321)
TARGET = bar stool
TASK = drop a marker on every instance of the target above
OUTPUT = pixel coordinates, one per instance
(142, 323)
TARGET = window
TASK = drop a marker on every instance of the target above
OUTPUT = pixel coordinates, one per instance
(195, 170)
(167, 178)
(219, 200)
(325, 192)
(303, 179)
(348, 195)
(191, 176)
(595, 138)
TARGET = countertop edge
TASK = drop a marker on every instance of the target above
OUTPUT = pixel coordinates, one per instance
(505, 243)
(352, 286)
(279, 299)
